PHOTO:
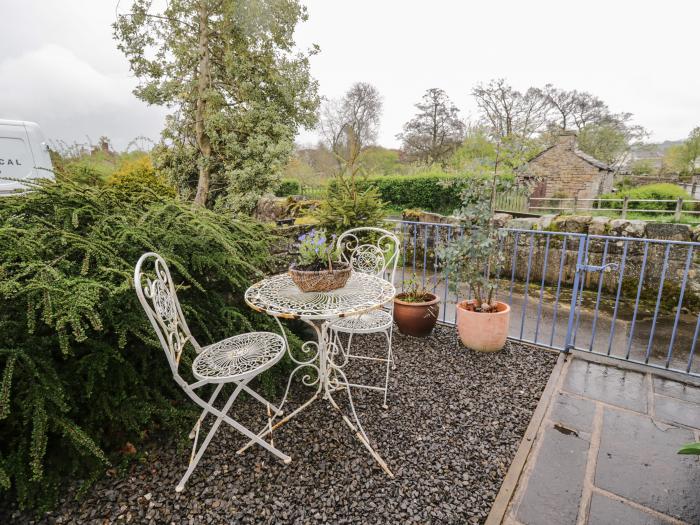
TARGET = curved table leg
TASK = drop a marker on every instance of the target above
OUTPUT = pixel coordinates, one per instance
(326, 348)
(309, 347)
(334, 385)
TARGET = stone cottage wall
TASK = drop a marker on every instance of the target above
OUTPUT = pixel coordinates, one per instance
(565, 174)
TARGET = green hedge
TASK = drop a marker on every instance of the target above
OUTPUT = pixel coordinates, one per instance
(288, 187)
(658, 191)
(82, 375)
(423, 191)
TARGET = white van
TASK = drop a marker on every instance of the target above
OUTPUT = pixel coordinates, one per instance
(24, 155)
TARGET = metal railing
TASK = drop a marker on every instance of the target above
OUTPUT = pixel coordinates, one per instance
(632, 299)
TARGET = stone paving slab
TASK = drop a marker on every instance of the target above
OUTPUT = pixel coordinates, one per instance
(612, 385)
(606, 451)
(638, 460)
(677, 411)
(675, 389)
(554, 490)
(606, 511)
(573, 412)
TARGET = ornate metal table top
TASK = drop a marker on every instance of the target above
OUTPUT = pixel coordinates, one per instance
(279, 296)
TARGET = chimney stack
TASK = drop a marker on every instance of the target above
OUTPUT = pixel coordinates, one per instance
(567, 139)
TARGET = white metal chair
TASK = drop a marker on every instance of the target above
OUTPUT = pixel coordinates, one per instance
(236, 360)
(374, 251)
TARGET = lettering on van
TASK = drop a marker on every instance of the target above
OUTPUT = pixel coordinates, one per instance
(10, 162)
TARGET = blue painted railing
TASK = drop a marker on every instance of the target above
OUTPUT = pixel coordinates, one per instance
(632, 299)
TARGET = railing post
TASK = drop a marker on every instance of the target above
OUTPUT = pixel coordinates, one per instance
(581, 257)
(679, 209)
(625, 203)
(693, 188)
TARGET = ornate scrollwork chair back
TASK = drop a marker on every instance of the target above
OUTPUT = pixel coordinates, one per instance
(156, 292)
(235, 360)
(370, 250)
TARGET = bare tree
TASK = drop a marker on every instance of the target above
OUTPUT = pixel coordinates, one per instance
(509, 113)
(351, 123)
(563, 105)
(435, 131)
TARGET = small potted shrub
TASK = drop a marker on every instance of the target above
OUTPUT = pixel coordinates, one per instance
(473, 260)
(416, 310)
(315, 269)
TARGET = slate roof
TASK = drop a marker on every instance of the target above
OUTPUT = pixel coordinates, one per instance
(580, 154)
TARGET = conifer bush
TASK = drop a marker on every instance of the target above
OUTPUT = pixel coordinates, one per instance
(82, 375)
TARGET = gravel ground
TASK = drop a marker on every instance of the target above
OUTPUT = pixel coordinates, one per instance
(454, 422)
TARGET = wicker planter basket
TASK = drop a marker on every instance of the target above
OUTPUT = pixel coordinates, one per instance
(321, 281)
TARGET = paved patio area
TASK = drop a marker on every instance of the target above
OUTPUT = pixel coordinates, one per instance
(605, 452)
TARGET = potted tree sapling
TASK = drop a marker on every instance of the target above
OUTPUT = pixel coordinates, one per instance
(474, 259)
(416, 309)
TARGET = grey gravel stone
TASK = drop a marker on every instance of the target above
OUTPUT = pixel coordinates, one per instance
(454, 422)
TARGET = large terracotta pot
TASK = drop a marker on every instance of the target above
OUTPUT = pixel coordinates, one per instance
(483, 332)
(416, 319)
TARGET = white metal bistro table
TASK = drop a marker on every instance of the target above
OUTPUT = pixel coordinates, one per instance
(280, 297)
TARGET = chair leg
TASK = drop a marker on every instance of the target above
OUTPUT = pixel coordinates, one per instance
(195, 429)
(391, 348)
(389, 365)
(195, 460)
(221, 415)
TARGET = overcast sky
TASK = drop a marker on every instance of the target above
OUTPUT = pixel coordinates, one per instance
(60, 67)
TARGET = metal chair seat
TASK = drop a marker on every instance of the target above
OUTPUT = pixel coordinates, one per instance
(238, 357)
(367, 323)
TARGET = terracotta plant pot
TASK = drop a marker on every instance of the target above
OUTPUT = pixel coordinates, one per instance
(416, 319)
(480, 331)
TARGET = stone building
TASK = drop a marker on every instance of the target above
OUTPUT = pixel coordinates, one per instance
(562, 170)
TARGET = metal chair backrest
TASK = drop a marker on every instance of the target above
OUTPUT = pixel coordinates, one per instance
(156, 291)
(370, 250)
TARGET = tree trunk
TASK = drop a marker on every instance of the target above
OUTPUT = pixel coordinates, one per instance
(203, 141)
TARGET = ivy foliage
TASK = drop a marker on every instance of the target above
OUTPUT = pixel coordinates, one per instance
(82, 374)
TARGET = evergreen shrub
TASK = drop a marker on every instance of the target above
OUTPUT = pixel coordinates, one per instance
(82, 375)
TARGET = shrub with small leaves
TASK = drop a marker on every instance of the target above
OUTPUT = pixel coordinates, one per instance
(81, 371)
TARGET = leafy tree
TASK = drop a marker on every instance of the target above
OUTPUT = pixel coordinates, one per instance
(435, 131)
(381, 161)
(683, 158)
(642, 167)
(351, 123)
(610, 141)
(238, 90)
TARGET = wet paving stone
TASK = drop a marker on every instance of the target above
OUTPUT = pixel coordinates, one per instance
(553, 491)
(677, 411)
(609, 384)
(676, 389)
(573, 412)
(638, 460)
(606, 511)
